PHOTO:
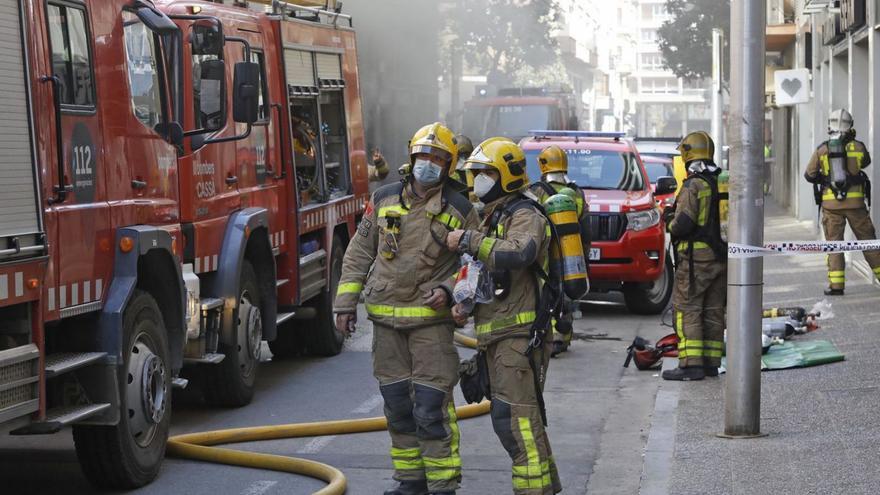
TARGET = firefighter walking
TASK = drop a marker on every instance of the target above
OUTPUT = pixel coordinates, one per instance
(699, 297)
(553, 163)
(841, 188)
(398, 259)
(512, 239)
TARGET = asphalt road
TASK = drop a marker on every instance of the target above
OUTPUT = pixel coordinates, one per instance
(599, 416)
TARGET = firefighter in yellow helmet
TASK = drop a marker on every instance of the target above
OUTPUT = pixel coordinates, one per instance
(459, 174)
(399, 261)
(840, 188)
(512, 239)
(553, 163)
(699, 297)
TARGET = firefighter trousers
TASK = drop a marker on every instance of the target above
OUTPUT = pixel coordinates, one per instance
(699, 307)
(834, 223)
(417, 370)
(516, 417)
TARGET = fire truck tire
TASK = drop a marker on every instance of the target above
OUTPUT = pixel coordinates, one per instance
(288, 343)
(129, 454)
(231, 382)
(651, 298)
(325, 339)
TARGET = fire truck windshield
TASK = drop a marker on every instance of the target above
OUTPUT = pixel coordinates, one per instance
(592, 169)
(512, 121)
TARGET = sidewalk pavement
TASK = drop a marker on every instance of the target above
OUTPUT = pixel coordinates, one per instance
(821, 422)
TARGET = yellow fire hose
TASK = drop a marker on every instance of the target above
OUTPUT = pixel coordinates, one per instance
(201, 446)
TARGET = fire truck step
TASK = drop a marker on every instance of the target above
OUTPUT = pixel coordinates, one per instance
(282, 317)
(282, 282)
(179, 383)
(63, 362)
(58, 417)
(209, 303)
(210, 358)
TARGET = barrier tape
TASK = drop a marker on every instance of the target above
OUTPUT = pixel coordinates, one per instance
(800, 247)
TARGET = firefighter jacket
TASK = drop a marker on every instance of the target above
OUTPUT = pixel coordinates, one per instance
(696, 224)
(399, 254)
(818, 171)
(512, 251)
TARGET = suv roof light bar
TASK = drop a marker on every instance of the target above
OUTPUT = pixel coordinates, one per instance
(577, 134)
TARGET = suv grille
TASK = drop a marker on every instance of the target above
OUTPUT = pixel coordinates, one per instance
(607, 226)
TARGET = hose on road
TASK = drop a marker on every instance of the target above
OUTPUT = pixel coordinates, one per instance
(201, 446)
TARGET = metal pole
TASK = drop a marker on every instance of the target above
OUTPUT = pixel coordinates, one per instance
(717, 103)
(742, 395)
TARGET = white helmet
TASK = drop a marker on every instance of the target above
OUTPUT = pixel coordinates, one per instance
(840, 122)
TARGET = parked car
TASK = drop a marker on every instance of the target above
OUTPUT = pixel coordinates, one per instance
(628, 251)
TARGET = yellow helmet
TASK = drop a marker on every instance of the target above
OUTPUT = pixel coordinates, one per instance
(434, 139)
(553, 159)
(697, 146)
(506, 157)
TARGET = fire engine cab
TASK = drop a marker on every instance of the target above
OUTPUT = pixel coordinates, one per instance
(179, 182)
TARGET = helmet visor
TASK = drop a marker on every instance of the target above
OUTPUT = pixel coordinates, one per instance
(443, 155)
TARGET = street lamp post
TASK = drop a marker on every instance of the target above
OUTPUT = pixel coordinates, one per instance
(742, 395)
(717, 101)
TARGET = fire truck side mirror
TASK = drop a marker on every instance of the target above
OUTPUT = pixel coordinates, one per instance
(207, 38)
(245, 96)
(153, 18)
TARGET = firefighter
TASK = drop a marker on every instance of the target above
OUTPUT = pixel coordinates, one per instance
(378, 170)
(553, 163)
(398, 259)
(512, 240)
(840, 187)
(459, 174)
(699, 297)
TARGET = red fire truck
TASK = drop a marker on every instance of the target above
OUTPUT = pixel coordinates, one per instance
(179, 181)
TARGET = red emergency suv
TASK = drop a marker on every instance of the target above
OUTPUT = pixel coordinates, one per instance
(628, 251)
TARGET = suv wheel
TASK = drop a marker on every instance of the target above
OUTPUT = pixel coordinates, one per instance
(651, 298)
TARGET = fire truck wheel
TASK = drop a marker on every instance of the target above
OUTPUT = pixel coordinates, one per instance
(288, 343)
(325, 339)
(129, 454)
(651, 298)
(231, 383)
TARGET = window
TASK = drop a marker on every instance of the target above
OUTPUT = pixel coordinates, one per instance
(515, 121)
(651, 61)
(263, 98)
(660, 85)
(594, 169)
(144, 68)
(71, 59)
(649, 35)
(209, 90)
(333, 132)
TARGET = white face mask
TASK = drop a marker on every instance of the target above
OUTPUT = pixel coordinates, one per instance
(426, 172)
(483, 184)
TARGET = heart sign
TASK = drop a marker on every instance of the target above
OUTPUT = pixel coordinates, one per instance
(792, 87)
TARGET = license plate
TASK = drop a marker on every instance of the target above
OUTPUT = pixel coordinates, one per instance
(595, 254)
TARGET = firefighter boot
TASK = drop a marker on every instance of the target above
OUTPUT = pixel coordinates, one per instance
(419, 487)
(689, 374)
(833, 292)
(711, 371)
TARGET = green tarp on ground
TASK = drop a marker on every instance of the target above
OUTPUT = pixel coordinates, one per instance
(798, 354)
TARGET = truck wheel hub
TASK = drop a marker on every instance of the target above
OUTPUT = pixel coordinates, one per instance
(146, 392)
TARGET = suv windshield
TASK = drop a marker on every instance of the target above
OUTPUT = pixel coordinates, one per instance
(592, 169)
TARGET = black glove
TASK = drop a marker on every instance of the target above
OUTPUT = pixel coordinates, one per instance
(474, 378)
(668, 214)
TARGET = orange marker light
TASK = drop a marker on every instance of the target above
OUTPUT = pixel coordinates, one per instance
(33, 283)
(126, 244)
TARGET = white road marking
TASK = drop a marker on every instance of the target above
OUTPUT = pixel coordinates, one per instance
(369, 405)
(316, 445)
(259, 487)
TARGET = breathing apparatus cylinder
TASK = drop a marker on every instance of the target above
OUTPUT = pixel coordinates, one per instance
(837, 167)
(724, 201)
(568, 254)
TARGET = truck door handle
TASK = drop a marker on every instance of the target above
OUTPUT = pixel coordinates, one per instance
(231, 180)
(138, 184)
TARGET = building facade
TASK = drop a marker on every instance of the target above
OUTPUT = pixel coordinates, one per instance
(666, 106)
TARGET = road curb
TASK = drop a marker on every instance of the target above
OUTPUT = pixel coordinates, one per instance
(660, 449)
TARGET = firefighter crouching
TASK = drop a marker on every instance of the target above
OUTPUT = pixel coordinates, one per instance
(553, 163)
(699, 297)
(840, 187)
(400, 244)
(512, 240)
